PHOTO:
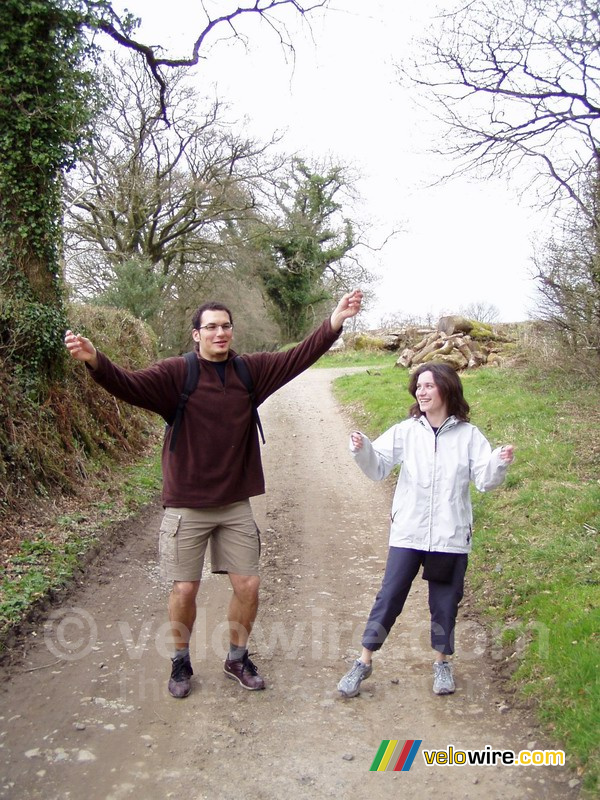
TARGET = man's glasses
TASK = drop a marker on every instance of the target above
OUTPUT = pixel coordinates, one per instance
(211, 327)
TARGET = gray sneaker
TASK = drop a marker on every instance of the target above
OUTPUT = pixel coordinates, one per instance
(349, 686)
(443, 681)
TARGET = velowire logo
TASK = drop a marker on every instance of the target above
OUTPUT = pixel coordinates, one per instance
(394, 756)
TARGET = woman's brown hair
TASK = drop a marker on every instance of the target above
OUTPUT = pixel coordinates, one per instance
(449, 386)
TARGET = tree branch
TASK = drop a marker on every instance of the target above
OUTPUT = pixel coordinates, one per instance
(109, 23)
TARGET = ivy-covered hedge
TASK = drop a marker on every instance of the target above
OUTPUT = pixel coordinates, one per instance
(47, 101)
(47, 445)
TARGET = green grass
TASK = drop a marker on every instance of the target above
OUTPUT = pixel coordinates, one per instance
(40, 565)
(534, 572)
(356, 358)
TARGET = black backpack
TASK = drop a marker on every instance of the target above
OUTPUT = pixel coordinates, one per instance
(191, 381)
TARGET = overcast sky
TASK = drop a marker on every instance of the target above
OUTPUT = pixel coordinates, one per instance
(460, 243)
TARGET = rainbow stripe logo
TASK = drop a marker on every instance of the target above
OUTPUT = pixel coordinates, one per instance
(391, 752)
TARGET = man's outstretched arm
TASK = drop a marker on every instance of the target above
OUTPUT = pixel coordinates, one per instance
(271, 371)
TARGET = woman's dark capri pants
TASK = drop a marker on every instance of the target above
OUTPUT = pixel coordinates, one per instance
(400, 571)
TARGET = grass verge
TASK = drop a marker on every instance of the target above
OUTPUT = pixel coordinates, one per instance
(54, 546)
(535, 564)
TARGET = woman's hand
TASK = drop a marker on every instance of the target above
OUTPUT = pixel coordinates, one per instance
(357, 440)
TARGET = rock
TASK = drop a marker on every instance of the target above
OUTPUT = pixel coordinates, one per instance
(454, 324)
(85, 755)
(391, 341)
(348, 757)
(337, 346)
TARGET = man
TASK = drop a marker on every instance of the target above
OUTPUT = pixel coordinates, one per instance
(214, 468)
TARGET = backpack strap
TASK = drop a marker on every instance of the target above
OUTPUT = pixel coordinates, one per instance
(243, 373)
(191, 381)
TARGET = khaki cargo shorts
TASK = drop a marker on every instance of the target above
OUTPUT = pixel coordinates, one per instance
(185, 532)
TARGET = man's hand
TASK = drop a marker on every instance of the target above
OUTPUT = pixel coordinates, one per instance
(81, 348)
(349, 306)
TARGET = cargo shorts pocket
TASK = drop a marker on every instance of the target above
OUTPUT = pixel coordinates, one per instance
(168, 549)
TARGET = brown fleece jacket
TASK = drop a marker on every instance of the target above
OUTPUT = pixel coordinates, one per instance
(217, 456)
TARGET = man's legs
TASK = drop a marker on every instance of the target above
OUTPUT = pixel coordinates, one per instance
(182, 612)
(235, 550)
(182, 615)
(183, 537)
(241, 615)
(243, 608)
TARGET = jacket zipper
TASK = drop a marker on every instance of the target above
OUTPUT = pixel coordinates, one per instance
(432, 492)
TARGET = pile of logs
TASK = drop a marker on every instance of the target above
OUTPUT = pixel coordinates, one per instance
(451, 343)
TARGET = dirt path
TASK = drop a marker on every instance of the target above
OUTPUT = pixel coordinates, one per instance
(98, 724)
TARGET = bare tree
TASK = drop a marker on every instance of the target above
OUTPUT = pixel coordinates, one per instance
(101, 16)
(146, 209)
(481, 311)
(518, 83)
(568, 280)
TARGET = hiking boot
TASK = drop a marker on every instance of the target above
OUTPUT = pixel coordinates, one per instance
(181, 672)
(349, 686)
(443, 682)
(244, 672)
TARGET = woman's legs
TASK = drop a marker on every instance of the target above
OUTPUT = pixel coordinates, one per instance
(400, 571)
(443, 606)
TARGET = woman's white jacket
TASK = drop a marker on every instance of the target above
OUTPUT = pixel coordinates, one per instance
(431, 509)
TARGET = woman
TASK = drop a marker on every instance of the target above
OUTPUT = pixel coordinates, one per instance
(431, 522)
